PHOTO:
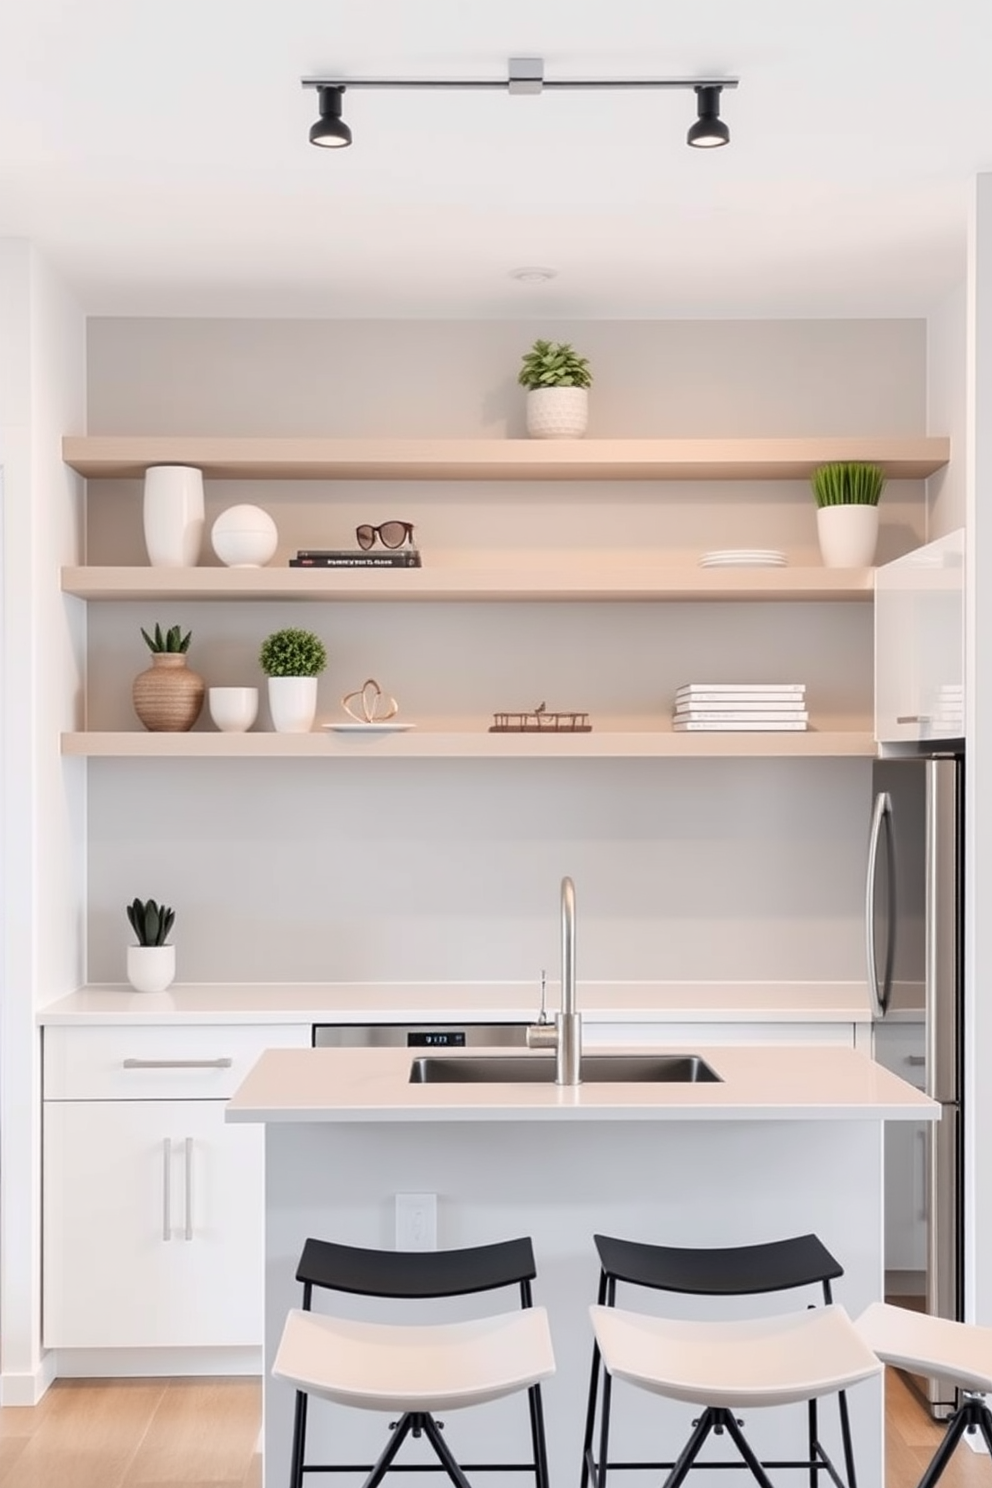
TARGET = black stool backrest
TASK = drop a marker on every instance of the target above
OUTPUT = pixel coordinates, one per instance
(417, 1273)
(777, 1266)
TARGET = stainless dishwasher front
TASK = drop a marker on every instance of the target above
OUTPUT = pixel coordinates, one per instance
(419, 1035)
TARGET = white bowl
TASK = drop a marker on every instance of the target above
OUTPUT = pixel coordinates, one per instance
(244, 537)
(233, 709)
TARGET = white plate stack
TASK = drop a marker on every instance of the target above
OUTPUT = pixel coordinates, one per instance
(743, 558)
(758, 707)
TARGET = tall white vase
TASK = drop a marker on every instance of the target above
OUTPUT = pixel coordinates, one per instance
(293, 704)
(847, 535)
(173, 515)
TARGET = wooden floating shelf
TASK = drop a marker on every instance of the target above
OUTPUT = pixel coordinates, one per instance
(438, 584)
(424, 744)
(128, 456)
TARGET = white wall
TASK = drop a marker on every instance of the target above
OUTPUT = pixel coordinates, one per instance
(947, 409)
(450, 870)
(42, 395)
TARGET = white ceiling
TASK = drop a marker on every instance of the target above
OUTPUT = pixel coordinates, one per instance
(158, 157)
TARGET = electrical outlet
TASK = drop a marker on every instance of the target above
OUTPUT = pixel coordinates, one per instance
(416, 1221)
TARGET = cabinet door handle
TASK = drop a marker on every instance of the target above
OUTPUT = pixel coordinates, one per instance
(167, 1188)
(223, 1063)
(188, 1235)
(912, 718)
(917, 1059)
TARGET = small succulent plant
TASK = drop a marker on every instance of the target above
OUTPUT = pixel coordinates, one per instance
(293, 653)
(847, 483)
(553, 364)
(150, 922)
(169, 640)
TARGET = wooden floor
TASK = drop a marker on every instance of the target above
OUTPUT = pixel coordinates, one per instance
(203, 1433)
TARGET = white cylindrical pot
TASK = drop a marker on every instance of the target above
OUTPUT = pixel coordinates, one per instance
(557, 412)
(848, 535)
(151, 968)
(173, 515)
(293, 704)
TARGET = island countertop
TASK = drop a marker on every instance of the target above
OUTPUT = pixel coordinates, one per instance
(757, 1083)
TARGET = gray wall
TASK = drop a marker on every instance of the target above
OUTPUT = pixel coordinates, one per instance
(449, 869)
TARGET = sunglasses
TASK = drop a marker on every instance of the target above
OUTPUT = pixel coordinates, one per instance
(390, 534)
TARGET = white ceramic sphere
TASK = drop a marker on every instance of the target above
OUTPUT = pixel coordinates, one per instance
(244, 537)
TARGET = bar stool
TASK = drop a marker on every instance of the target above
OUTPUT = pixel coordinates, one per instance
(785, 1265)
(414, 1370)
(960, 1353)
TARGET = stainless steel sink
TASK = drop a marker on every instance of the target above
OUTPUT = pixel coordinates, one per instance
(537, 1069)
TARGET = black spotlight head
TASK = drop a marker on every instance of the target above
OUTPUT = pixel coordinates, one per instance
(709, 129)
(330, 130)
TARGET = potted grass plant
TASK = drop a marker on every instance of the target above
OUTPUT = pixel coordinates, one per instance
(847, 494)
(151, 962)
(292, 660)
(557, 380)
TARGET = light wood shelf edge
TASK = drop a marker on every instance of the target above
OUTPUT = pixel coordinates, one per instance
(660, 744)
(663, 583)
(287, 458)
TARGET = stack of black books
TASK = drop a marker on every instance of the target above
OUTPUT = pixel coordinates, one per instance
(356, 558)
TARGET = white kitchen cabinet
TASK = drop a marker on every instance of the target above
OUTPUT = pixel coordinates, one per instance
(919, 644)
(152, 1206)
(899, 1047)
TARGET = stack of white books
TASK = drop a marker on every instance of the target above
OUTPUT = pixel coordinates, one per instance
(768, 706)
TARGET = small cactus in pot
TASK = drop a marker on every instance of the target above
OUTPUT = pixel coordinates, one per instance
(168, 696)
(150, 922)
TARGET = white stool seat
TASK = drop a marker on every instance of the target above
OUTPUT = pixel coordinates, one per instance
(776, 1360)
(409, 1367)
(958, 1352)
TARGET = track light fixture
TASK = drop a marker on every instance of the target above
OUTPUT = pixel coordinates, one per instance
(525, 75)
(330, 130)
(709, 129)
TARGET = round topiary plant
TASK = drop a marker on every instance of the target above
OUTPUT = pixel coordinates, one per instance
(293, 653)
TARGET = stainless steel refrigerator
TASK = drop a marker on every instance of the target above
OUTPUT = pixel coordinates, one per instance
(914, 918)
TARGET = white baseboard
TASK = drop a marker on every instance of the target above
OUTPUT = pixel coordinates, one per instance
(162, 1362)
(27, 1389)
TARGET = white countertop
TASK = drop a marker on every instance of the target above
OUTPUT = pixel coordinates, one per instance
(757, 1084)
(477, 1002)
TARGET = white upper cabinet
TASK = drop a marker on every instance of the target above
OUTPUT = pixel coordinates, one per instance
(919, 644)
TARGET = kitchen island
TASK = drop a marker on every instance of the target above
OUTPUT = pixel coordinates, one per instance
(788, 1140)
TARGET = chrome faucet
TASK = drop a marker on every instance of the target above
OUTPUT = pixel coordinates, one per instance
(566, 1035)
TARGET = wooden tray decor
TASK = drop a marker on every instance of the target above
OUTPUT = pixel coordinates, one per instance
(540, 721)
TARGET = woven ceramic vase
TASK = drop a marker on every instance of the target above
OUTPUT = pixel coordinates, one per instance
(168, 696)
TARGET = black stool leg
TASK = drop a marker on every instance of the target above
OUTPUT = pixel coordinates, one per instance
(735, 1433)
(299, 1439)
(707, 1422)
(406, 1424)
(443, 1451)
(813, 1435)
(604, 1431)
(538, 1437)
(985, 1424)
(964, 1417)
(587, 1460)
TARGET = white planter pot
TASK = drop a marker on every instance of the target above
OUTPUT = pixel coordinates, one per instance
(848, 535)
(173, 515)
(557, 412)
(293, 704)
(151, 968)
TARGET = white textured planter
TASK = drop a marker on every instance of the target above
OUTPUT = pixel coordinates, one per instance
(293, 704)
(151, 968)
(557, 412)
(848, 535)
(173, 515)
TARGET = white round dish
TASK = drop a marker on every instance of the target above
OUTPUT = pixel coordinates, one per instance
(368, 728)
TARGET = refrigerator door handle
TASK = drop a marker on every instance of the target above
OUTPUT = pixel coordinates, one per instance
(881, 828)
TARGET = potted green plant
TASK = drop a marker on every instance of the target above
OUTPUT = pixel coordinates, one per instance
(557, 380)
(292, 660)
(847, 494)
(151, 962)
(168, 695)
